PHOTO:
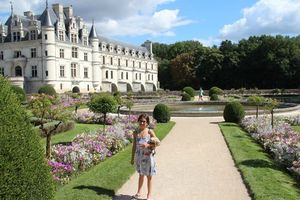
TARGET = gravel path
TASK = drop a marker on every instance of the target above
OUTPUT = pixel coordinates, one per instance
(193, 163)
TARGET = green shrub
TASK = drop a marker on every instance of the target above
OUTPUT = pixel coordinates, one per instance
(234, 112)
(161, 113)
(47, 89)
(21, 95)
(186, 97)
(23, 169)
(215, 90)
(189, 90)
(214, 97)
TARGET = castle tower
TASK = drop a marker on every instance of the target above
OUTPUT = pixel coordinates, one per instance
(96, 69)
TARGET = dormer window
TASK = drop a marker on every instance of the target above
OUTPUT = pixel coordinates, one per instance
(73, 38)
(61, 35)
(33, 35)
(16, 23)
(16, 36)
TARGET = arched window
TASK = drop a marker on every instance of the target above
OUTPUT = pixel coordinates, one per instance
(18, 71)
(106, 74)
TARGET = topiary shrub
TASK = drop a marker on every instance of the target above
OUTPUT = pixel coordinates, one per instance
(21, 95)
(215, 90)
(23, 169)
(161, 113)
(47, 89)
(234, 112)
(214, 97)
(189, 90)
(185, 97)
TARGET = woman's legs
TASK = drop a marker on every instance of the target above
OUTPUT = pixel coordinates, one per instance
(149, 184)
(140, 185)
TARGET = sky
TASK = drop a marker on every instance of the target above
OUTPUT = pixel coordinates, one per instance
(169, 21)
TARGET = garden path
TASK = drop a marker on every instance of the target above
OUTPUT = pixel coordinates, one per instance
(193, 163)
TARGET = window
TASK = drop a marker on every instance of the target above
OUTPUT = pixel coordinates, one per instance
(2, 71)
(119, 62)
(88, 87)
(140, 64)
(126, 63)
(1, 55)
(74, 52)
(46, 53)
(61, 35)
(33, 71)
(62, 71)
(103, 59)
(140, 76)
(16, 36)
(133, 63)
(148, 77)
(73, 70)
(33, 53)
(33, 35)
(46, 73)
(136, 76)
(61, 86)
(46, 37)
(73, 38)
(111, 61)
(106, 74)
(121, 75)
(85, 56)
(126, 75)
(85, 73)
(61, 53)
(146, 65)
(85, 41)
(152, 66)
(152, 77)
(111, 74)
(17, 54)
(18, 71)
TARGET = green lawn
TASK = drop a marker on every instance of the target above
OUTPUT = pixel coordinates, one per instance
(103, 180)
(69, 135)
(297, 128)
(264, 179)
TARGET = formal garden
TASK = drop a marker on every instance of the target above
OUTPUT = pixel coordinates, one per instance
(77, 146)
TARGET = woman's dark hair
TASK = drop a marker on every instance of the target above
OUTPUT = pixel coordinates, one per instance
(144, 116)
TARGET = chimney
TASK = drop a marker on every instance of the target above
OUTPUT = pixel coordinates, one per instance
(148, 45)
(68, 11)
(59, 10)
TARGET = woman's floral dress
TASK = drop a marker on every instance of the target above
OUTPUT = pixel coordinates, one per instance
(144, 159)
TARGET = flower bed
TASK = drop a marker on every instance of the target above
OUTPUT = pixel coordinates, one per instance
(282, 141)
(88, 149)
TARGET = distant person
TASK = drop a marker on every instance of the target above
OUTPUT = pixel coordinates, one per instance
(143, 154)
(200, 94)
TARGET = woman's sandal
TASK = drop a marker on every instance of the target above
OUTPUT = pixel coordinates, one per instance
(136, 197)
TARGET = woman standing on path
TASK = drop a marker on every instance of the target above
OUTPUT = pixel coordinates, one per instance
(142, 155)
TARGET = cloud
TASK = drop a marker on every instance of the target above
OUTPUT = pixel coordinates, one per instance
(209, 42)
(114, 17)
(265, 17)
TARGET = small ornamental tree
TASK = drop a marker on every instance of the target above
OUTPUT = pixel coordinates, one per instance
(47, 89)
(119, 100)
(104, 104)
(24, 173)
(271, 104)
(48, 107)
(215, 90)
(189, 90)
(161, 113)
(257, 101)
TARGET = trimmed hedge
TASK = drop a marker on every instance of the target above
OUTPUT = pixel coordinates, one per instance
(23, 169)
(234, 112)
(161, 113)
(189, 90)
(47, 89)
(215, 90)
(186, 97)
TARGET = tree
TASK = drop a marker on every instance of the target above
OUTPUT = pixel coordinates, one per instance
(103, 103)
(271, 104)
(19, 92)
(48, 107)
(119, 100)
(23, 169)
(129, 102)
(257, 101)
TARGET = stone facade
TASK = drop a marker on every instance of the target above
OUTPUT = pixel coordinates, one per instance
(57, 48)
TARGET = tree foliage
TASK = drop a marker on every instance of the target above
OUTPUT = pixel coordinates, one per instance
(23, 169)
